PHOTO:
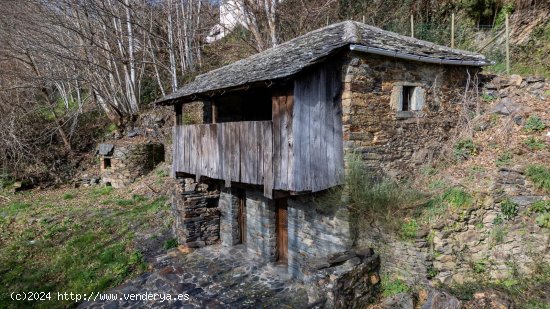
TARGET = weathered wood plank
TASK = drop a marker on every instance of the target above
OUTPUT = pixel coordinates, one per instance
(268, 180)
(289, 138)
(276, 119)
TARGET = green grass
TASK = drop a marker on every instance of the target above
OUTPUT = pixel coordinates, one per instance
(409, 229)
(504, 159)
(54, 243)
(540, 176)
(391, 287)
(464, 149)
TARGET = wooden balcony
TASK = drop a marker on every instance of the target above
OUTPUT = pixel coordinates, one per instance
(232, 151)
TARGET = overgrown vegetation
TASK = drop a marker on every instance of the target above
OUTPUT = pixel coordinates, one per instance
(81, 244)
(527, 291)
(540, 176)
(542, 210)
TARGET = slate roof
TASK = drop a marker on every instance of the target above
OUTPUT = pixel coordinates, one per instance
(292, 56)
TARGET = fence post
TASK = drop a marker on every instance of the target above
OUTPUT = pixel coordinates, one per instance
(507, 46)
(412, 26)
(453, 30)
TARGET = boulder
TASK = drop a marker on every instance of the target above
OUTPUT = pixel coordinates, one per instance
(505, 107)
(438, 299)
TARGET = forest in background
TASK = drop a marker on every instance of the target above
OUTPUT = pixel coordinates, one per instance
(72, 71)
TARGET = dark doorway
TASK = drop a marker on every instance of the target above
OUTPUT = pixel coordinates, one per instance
(282, 231)
(242, 215)
(106, 162)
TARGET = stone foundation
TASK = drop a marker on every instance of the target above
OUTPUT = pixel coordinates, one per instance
(196, 213)
(229, 218)
(314, 235)
(121, 163)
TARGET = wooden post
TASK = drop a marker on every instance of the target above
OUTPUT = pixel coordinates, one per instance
(507, 46)
(412, 26)
(214, 112)
(363, 19)
(453, 30)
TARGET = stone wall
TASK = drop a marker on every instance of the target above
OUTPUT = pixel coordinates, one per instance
(229, 217)
(128, 161)
(196, 214)
(313, 235)
(260, 226)
(396, 142)
(348, 280)
(471, 244)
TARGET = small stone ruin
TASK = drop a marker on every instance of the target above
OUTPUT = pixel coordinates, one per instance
(122, 162)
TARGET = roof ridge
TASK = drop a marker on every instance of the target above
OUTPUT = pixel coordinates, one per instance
(350, 32)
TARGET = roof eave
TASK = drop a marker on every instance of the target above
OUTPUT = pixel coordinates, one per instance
(425, 59)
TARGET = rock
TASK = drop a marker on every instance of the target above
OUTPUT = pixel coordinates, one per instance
(399, 301)
(516, 80)
(133, 133)
(534, 79)
(490, 299)
(105, 149)
(438, 299)
(518, 120)
(505, 107)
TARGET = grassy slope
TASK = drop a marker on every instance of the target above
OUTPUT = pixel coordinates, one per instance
(73, 240)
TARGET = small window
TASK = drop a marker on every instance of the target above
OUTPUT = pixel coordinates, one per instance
(412, 98)
(106, 162)
(406, 100)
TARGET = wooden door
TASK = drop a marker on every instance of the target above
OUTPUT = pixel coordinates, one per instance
(282, 230)
(242, 216)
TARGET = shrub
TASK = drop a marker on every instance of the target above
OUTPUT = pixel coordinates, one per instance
(533, 124)
(534, 144)
(393, 287)
(542, 208)
(509, 209)
(543, 220)
(170, 243)
(464, 149)
(540, 176)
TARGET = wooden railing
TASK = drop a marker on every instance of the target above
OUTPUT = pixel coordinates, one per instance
(232, 151)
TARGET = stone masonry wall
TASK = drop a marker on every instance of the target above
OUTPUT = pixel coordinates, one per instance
(314, 236)
(196, 214)
(129, 161)
(390, 141)
(475, 243)
(229, 217)
(260, 226)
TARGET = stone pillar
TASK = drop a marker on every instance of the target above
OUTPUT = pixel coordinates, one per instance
(196, 213)
(260, 224)
(229, 218)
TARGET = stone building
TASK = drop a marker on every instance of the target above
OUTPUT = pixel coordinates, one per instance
(280, 124)
(121, 162)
